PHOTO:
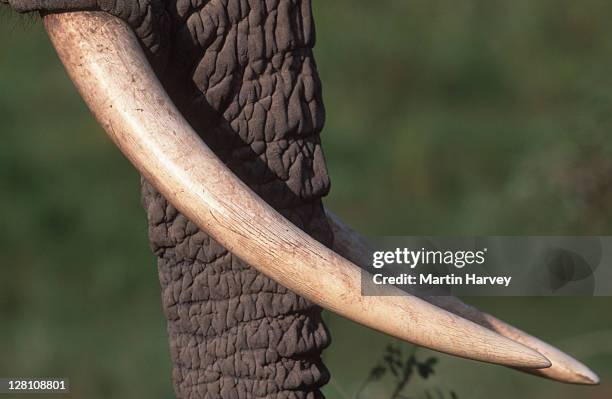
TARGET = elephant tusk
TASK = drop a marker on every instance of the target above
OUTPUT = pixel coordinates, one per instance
(564, 368)
(105, 61)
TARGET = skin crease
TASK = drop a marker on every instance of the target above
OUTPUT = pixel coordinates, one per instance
(243, 74)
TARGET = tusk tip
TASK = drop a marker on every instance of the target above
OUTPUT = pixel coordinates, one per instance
(502, 351)
(521, 355)
(586, 376)
(566, 369)
(540, 362)
(576, 375)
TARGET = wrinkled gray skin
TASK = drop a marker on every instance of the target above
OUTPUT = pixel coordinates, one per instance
(243, 74)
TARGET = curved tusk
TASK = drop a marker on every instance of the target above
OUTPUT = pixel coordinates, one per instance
(564, 368)
(106, 62)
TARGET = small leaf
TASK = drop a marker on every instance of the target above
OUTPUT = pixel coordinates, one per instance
(431, 361)
(425, 370)
(391, 363)
(388, 359)
(377, 373)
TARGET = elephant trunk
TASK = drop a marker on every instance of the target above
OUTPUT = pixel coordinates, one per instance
(234, 333)
(248, 84)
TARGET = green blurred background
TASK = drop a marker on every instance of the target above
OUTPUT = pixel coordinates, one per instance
(444, 117)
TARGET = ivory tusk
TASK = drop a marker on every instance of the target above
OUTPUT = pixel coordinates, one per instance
(564, 368)
(106, 62)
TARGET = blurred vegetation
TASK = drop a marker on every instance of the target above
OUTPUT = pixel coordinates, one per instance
(474, 117)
